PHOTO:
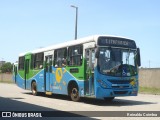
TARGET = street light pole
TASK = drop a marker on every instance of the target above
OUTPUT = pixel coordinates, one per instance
(76, 22)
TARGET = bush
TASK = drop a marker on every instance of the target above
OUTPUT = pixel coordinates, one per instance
(7, 67)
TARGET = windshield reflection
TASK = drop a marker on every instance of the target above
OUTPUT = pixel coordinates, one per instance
(117, 62)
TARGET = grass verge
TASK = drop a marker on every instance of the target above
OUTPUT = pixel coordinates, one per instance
(147, 90)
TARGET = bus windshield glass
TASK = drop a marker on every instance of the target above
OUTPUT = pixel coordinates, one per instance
(117, 61)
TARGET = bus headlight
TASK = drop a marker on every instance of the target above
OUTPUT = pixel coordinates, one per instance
(102, 83)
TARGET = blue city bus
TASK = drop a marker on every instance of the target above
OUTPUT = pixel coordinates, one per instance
(100, 66)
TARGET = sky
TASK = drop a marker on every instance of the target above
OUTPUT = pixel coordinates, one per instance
(30, 24)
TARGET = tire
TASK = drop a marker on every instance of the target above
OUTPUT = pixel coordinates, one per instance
(74, 93)
(109, 99)
(34, 88)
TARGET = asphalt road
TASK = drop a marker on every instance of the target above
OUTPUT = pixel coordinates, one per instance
(13, 98)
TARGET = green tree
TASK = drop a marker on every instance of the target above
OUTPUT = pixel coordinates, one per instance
(7, 67)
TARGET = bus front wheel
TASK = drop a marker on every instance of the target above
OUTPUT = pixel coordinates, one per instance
(34, 88)
(74, 94)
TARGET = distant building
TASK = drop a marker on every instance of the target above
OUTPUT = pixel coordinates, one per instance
(2, 62)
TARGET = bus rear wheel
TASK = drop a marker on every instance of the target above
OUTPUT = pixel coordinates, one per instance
(34, 88)
(75, 93)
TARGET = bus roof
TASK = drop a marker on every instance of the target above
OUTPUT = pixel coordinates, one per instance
(69, 43)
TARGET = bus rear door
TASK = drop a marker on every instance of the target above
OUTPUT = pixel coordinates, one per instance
(15, 65)
(27, 69)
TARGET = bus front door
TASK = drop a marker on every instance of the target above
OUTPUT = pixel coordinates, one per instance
(90, 61)
(48, 77)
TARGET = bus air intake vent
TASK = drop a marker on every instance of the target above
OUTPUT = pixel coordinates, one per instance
(120, 92)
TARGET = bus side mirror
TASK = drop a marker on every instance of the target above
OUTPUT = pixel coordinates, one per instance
(97, 53)
(138, 57)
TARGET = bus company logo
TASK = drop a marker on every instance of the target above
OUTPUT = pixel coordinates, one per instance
(59, 74)
(6, 114)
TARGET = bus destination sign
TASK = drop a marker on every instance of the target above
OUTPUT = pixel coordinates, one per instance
(116, 42)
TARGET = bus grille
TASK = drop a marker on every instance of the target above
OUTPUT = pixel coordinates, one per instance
(121, 87)
(119, 81)
(120, 84)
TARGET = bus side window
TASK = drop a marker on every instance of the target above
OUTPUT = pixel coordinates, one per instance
(60, 57)
(90, 61)
(75, 54)
(21, 63)
(38, 61)
(93, 59)
(32, 61)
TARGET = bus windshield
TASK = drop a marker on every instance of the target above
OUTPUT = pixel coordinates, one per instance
(117, 61)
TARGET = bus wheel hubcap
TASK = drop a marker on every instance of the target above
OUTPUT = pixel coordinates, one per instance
(74, 92)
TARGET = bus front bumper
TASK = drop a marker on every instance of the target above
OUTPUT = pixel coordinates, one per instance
(103, 93)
